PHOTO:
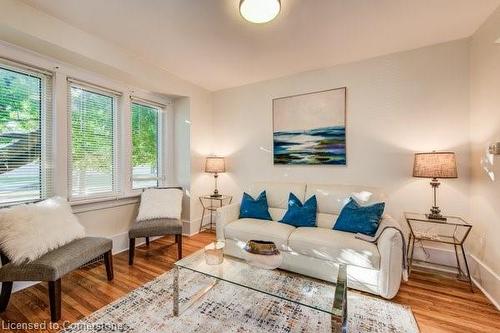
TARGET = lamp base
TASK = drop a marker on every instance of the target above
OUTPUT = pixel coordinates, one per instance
(437, 217)
(435, 211)
(216, 191)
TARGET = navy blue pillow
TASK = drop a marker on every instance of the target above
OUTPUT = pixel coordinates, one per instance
(301, 215)
(255, 208)
(363, 219)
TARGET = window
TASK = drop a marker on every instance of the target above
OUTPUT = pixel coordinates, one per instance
(25, 134)
(93, 142)
(145, 145)
(94, 166)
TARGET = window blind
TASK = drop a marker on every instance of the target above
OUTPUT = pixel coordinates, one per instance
(145, 145)
(94, 142)
(26, 134)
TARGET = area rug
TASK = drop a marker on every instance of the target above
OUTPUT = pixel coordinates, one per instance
(229, 308)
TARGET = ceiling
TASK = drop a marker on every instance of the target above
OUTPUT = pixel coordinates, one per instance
(208, 43)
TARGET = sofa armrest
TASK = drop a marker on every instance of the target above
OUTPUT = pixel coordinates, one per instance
(388, 221)
(390, 247)
(225, 215)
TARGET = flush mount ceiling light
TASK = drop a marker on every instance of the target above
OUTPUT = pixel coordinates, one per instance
(259, 11)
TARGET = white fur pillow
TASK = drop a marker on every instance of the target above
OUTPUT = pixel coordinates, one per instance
(160, 203)
(29, 231)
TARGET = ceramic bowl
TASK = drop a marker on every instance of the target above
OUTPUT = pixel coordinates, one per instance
(263, 254)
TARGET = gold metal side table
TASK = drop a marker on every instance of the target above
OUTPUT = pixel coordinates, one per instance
(210, 204)
(453, 231)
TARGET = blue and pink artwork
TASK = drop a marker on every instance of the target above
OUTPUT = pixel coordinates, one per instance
(310, 128)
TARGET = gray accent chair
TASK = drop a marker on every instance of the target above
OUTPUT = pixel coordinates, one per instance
(52, 266)
(153, 228)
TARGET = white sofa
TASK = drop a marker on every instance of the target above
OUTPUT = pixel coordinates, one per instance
(316, 252)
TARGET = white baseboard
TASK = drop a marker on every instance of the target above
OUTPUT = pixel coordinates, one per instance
(121, 242)
(190, 228)
(482, 276)
(20, 285)
(194, 227)
(486, 280)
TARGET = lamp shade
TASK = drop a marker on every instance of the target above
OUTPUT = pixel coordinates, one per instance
(435, 165)
(215, 164)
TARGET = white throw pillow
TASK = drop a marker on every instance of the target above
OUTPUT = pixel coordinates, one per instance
(160, 203)
(29, 231)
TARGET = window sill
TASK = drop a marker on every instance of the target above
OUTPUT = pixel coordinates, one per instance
(82, 206)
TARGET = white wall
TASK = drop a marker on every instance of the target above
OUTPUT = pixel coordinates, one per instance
(442, 97)
(396, 105)
(484, 130)
(182, 155)
(201, 146)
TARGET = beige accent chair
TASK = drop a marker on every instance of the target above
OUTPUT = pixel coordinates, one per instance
(153, 228)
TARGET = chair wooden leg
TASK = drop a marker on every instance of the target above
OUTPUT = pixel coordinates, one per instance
(131, 251)
(147, 241)
(55, 300)
(5, 295)
(178, 240)
(108, 262)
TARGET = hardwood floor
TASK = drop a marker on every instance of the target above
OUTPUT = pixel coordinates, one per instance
(440, 303)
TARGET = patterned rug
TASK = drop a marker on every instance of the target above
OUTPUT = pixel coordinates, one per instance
(229, 308)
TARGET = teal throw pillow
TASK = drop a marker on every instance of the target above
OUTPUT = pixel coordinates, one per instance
(360, 219)
(255, 208)
(301, 215)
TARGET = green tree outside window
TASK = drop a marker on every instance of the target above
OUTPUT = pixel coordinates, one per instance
(144, 145)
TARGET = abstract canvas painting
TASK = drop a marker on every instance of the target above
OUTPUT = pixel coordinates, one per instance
(310, 128)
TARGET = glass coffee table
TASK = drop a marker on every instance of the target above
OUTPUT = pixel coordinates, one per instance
(330, 298)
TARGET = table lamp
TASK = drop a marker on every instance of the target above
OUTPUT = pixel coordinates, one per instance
(435, 165)
(215, 165)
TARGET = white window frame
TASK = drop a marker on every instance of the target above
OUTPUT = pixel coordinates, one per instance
(47, 128)
(60, 75)
(117, 151)
(160, 142)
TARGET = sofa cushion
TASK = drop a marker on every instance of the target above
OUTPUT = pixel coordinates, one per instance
(326, 220)
(331, 198)
(277, 193)
(277, 213)
(334, 245)
(246, 229)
